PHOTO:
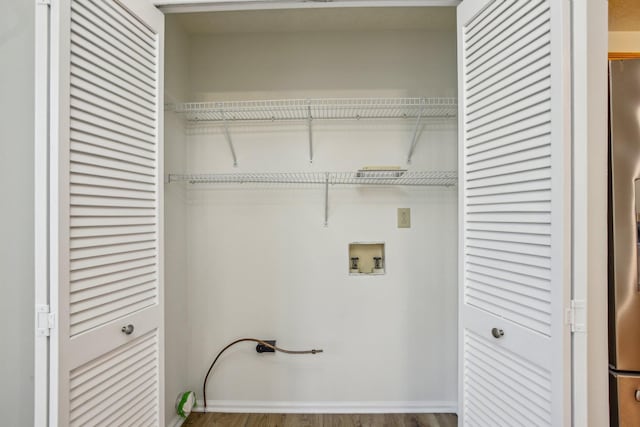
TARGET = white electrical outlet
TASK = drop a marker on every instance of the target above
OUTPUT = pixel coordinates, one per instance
(404, 217)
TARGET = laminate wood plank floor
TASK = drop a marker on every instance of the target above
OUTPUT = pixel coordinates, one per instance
(214, 419)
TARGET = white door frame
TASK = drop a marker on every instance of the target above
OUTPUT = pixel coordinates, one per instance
(182, 6)
(41, 215)
(590, 406)
(590, 356)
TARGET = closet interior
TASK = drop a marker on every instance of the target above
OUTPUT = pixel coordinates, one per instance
(310, 163)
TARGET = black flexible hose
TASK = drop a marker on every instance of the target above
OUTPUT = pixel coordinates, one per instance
(266, 344)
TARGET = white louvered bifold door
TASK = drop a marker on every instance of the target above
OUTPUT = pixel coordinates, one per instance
(106, 213)
(515, 203)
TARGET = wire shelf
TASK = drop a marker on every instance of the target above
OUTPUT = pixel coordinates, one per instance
(319, 109)
(368, 177)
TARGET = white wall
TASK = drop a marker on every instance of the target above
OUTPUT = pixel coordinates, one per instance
(16, 228)
(624, 41)
(260, 263)
(176, 312)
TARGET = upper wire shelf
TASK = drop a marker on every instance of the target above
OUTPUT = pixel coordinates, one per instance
(362, 177)
(319, 109)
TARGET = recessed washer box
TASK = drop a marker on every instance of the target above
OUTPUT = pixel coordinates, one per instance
(366, 259)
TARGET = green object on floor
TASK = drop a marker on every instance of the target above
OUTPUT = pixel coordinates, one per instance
(185, 403)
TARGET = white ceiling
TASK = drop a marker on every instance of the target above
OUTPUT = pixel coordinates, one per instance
(331, 19)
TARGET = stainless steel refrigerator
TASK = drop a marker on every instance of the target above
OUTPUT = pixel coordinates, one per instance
(624, 230)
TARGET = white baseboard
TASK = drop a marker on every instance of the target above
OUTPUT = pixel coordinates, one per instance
(249, 406)
(176, 422)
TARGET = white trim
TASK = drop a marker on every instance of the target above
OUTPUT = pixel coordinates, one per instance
(56, 123)
(192, 6)
(462, 16)
(561, 221)
(176, 422)
(324, 407)
(41, 211)
(590, 401)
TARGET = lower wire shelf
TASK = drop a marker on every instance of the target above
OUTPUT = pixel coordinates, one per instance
(394, 177)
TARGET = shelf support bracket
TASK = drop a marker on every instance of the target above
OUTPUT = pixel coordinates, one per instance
(414, 140)
(309, 119)
(326, 200)
(228, 137)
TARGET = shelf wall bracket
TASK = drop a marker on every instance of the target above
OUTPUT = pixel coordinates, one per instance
(416, 133)
(228, 137)
(326, 200)
(309, 119)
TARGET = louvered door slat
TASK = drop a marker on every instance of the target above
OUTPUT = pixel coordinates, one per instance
(114, 265)
(113, 192)
(110, 173)
(140, 383)
(510, 275)
(516, 258)
(95, 145)
(98, 124)
(504, 86)
(113, 160)
(533, 123)
(504, 123)
(89, 242)
(509, 265)
(142, 37)
(100, 24)
(85, 388)
(497, 155)
(85, 290)
(490, 14)
(99, 221)
(140, 413)
(98, 96)
(100, 75)
(109, 110)
(91, 284)
(508, 389)
(508, 165)
(530, 36)
(132, 24)
(519, 65)
(111, 152)
(529, 196)
(508, 188)
(99, 388)
(133, 292)
(87, 158)
(511, 123)
(90, 132)
(522, 100)
(102, 55)
(526, 20)
(519, 177)
(113, 183)
(509, 286)
(123, 230)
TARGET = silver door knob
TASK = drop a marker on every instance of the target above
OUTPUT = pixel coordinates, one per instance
(497, 333)
(638, 395)
(128, 330)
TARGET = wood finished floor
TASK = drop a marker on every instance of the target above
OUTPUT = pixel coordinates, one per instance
(198, 419)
